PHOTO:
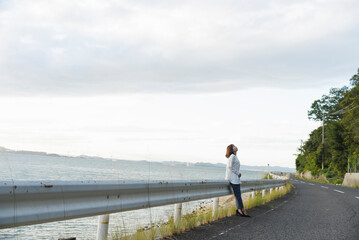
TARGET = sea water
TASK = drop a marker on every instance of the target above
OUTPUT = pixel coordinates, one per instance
(42, 167)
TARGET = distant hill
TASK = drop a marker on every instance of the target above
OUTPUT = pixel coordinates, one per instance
(271, 168)
(244, 167)
(201, 164)
(3, 149)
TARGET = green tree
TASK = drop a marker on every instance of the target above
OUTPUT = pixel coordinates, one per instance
(354, 81)
(340, 110)
(327, 105)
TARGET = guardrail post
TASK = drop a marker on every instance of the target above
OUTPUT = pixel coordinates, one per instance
(270, 190)
(252, 194)
(263, 192)
(102, 228)
(215, 206)
(178, 212)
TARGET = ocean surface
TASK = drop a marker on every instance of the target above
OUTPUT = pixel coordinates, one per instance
(39, 167)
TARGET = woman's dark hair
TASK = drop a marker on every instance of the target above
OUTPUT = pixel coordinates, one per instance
(229, 151)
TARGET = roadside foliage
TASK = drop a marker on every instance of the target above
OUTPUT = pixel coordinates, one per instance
(340, 150)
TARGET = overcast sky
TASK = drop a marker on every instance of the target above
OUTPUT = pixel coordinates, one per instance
(170, 80)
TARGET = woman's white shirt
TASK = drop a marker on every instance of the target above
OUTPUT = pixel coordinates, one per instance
(232, 170)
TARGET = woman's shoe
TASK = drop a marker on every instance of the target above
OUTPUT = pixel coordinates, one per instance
(245, 215)
(239, 214)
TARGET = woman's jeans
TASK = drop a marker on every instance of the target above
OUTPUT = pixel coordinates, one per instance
(237, 193)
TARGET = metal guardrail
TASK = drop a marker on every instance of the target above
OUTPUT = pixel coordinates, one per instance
(25, 203)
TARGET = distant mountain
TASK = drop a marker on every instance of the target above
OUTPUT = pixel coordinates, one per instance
(270, 168)
(188, 164)
(201, 164)
(244, 167)
(3, 149)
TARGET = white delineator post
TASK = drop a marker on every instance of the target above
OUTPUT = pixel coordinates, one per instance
(178, 212)
(215, 206)
(263, 192)
(102, 228)
(270, 190)
(252, 194)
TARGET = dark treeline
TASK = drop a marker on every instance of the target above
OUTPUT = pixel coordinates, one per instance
(340, 111)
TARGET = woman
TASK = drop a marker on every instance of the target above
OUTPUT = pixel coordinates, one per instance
(233, 176)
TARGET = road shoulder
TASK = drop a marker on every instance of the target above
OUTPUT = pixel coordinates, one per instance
(222, 226)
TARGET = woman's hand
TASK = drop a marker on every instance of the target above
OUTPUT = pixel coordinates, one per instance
(239, 175)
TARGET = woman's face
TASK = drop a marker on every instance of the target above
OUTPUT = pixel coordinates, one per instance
(235, 149)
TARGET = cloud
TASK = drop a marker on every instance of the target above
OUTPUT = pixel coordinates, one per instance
(96, 47)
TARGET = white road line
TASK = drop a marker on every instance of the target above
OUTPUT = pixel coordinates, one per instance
(338, 191)
(324, 187)
(311, 184)
(357, 197)
(302, 182)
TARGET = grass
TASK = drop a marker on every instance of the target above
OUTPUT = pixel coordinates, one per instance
(313, 180)
(258, 200)
(336, 182)
(333, 181)
(266, 176)
(352, 186)
(195, 219)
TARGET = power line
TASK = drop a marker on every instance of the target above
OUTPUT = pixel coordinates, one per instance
(344, 110)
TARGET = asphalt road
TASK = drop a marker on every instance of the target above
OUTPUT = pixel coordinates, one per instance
(310, 211)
